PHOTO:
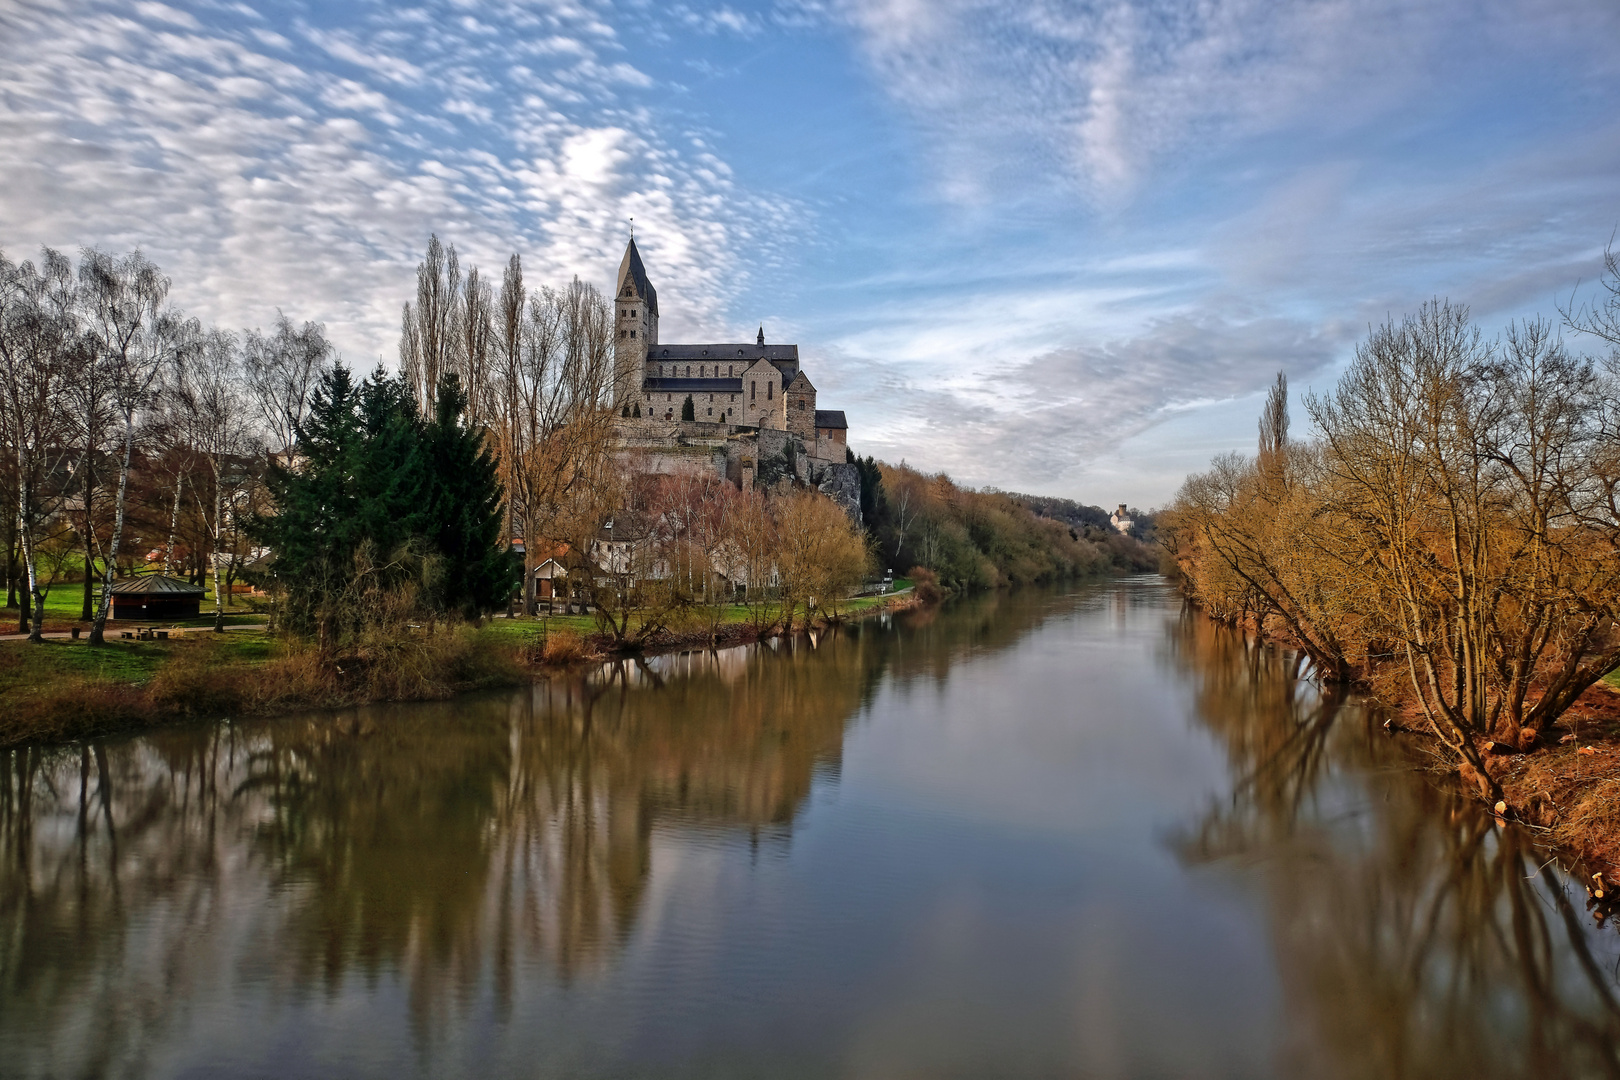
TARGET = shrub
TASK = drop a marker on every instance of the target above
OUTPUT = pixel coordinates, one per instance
(926, 582)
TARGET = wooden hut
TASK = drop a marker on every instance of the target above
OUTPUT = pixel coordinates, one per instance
(155, 597)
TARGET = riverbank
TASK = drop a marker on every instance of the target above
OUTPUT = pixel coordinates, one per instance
(1565, 789)
(61, 689)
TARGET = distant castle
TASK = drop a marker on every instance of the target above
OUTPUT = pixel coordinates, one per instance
(753, 409)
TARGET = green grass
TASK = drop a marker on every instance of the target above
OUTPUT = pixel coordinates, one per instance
(25, 666)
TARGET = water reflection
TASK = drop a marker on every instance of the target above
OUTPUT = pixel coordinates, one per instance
(636, 873)
(437, 846)
(1413, 937)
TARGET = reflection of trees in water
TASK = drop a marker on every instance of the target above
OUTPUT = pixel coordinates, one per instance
(112, 868)
(1414, 938)
(449, 846)
(442, 844)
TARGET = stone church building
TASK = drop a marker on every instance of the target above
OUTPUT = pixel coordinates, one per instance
(750, 401)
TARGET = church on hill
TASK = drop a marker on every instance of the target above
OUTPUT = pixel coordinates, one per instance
(739, 385)
(750, 401)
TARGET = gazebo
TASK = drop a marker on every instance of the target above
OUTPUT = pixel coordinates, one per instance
(155, 596)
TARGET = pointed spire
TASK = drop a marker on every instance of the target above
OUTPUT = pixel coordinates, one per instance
(762, 333)
(634, 275)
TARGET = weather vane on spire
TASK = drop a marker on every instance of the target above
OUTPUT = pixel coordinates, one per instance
(632, 228)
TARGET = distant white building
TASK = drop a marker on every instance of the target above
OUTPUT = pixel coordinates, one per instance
(1121, 519)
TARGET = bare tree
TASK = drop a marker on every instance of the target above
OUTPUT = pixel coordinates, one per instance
(507, 401)
(137, 337)
(474, 355)
(40, 348)
(1600, 316)
(554, 391)
(1274, 420)
(91, 398)
(282, 370)
(214, 407)
(428, 343)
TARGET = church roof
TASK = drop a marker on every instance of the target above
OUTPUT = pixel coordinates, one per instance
(692, 386)
(630, 266)
(831, 418)
(745, 351)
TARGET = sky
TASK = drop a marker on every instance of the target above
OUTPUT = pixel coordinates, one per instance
(1059, 248)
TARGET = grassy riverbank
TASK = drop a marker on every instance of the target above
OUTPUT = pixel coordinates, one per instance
(63, 689)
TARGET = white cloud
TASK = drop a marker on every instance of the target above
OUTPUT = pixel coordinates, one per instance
(303, 167)
(1102, 92)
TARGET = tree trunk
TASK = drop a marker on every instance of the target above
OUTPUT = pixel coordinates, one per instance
(174, 520)
(219, 537)
(25, 531)
(98, 630)
(86, 611)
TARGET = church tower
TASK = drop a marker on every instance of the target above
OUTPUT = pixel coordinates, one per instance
(635, 325)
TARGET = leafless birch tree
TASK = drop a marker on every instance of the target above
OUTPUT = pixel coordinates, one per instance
(138, 337)
(40, 349)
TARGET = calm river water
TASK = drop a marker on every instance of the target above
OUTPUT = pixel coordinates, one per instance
(1039, 834)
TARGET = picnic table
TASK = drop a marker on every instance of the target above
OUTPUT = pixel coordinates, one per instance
(153, 633)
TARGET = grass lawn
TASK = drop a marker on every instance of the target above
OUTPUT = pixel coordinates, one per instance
(24, 665)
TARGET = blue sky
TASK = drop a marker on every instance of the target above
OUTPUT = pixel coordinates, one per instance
(1051, 247)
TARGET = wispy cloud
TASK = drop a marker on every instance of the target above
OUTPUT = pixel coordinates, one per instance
(302, 166)
(1037, 231)
(1104, 93)
(1252, 182)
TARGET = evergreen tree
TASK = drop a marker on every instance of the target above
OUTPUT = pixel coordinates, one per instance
(873, 503)
(465, 511)
(688, 410)
(316, 528)
(376, 490)
(394, 481)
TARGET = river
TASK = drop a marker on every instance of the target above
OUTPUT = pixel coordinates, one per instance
(1047, 833)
